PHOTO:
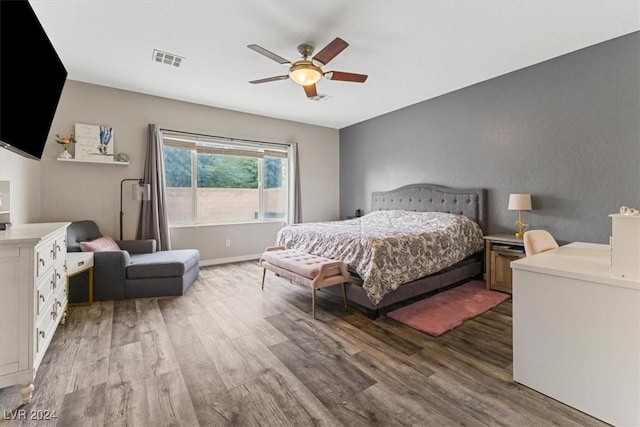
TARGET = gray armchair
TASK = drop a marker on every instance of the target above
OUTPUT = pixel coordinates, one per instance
(137, 270)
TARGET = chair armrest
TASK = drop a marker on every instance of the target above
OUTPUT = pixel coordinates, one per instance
(138, 246)
(109, 274)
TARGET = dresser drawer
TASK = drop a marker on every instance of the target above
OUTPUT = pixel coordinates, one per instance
(44, 258)
(60, 302)
(43, 298)
(49, 251)
(48, 288)
(52, 281)
(60, 248)
(45, 322)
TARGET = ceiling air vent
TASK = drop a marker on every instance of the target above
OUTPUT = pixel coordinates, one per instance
(319, 98)
(167, 58)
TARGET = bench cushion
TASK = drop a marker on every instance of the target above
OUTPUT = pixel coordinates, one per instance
(172, 263)
(300, 263)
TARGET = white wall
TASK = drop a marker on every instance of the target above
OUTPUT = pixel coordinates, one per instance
(24, 177)
(92, 191)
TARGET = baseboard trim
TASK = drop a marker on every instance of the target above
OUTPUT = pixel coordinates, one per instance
(229, 260)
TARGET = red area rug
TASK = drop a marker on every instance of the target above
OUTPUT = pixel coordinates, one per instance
(447, 310)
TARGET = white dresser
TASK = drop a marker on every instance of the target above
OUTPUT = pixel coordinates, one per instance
(576, 331)
(33, 298)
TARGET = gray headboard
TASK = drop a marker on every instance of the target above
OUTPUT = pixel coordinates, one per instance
(470, 202)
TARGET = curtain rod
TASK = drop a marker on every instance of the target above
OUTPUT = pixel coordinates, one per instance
(225, 137)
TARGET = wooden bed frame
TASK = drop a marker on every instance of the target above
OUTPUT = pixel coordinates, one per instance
(470, 202)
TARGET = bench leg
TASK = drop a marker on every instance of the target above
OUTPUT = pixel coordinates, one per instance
(313, 303)
(264, 272)
(344, 294)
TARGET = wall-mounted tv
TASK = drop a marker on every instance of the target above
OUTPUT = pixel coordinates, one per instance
(31, 80)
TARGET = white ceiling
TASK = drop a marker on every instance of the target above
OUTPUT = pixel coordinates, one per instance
(411, 50)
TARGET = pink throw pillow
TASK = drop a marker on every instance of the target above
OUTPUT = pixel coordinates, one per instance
(101, 244)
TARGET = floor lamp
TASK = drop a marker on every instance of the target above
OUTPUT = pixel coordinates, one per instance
(143, 192)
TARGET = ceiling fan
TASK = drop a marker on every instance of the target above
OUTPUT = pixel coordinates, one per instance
(307, 71)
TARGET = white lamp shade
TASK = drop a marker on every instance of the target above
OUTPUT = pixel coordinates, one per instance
(519, 202)
(305, 74)
(141, 192)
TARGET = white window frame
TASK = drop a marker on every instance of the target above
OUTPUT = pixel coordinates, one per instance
(198, 143)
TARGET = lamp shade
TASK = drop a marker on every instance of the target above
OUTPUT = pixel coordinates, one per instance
(305, 73)
(519, 202)
(141, 192)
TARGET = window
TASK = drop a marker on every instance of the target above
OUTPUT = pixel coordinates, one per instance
(210, 180)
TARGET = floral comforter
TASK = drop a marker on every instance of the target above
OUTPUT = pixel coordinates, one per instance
(389, 248)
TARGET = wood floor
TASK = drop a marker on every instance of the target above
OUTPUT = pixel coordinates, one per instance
(229, 354)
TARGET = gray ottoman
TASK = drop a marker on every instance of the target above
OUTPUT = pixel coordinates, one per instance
(162, 273)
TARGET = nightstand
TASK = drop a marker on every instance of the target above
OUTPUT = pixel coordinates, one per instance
(500, 250)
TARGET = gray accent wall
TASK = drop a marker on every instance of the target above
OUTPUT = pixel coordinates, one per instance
(566, 130)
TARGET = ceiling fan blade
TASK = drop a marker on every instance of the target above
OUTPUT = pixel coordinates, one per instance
(270, 79)
(346, 77)
(279, 59)
(310, 91)
(330, 51)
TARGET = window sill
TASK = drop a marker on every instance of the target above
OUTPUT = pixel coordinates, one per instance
(225, 224)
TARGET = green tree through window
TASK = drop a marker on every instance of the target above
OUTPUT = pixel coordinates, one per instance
(205, 184)
(177, 167)
(219, 171)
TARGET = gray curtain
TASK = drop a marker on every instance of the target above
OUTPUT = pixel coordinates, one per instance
(154, 222)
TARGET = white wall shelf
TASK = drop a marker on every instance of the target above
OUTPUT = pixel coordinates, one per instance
(94, 162)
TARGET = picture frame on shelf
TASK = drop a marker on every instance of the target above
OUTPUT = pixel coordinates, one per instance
(94, 142)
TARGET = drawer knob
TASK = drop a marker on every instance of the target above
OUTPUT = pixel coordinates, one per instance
(42, 297)
(42, 334)
(42, 261)
(80, 263)
(59, 303)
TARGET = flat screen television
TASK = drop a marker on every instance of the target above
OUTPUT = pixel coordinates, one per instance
(31, 80)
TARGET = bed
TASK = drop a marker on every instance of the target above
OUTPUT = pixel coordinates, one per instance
(417, 239)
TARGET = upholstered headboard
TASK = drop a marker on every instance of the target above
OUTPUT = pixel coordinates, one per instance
(470, 202)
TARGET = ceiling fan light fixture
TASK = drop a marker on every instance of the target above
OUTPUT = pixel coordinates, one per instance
(305, 73)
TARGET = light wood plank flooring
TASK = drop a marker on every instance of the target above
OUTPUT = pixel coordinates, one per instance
(229, 354)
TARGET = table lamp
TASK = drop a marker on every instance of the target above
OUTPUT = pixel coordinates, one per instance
(520, 202)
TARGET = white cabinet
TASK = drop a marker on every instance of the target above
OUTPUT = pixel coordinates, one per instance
(33, 298)
(576, 331)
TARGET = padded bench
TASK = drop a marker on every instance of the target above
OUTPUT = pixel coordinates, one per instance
(305, 269)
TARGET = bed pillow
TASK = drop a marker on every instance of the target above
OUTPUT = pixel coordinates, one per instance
(101, 244)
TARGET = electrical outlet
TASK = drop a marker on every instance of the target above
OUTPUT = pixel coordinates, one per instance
(227, 243)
